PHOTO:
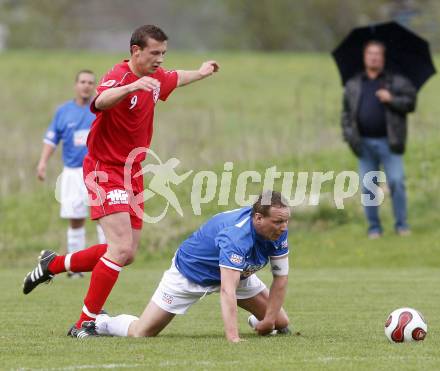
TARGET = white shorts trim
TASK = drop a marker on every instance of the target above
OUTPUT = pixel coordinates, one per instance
(72, 194)
(175, 293)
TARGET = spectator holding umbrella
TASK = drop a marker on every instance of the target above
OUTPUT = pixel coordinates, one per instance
(381, 67)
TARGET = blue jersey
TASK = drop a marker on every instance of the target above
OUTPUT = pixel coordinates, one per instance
(226, 240)
(71, 124)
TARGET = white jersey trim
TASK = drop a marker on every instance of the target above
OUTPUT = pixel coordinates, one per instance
(47, 141)
(241, 224)
(227, 266)
(121, 80)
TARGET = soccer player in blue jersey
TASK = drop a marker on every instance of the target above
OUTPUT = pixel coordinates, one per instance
(71, 125)
(223, 256)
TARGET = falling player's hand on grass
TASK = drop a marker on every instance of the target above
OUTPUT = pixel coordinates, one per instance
(208, 68)
(236, 340)
(144, 83)
(264, 327)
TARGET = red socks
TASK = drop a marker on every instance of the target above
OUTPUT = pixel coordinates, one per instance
(81, 261)
(86, 260)
(104, 276)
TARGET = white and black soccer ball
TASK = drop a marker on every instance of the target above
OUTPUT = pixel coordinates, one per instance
(405, 325)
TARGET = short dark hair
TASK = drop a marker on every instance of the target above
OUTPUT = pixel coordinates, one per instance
(78, 74)
(141, 34)
(376, 43)
(269, 199)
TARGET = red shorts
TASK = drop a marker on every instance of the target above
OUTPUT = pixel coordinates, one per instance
(107, 192)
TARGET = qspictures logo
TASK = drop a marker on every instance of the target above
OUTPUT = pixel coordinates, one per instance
(209, 186)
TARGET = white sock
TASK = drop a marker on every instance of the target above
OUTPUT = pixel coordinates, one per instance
(76, 239)
(114, 326)
(101, 323)
(253, 321)
(100, 233)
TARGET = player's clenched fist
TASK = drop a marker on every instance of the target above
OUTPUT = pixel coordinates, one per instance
(208, 68)
(144, 83)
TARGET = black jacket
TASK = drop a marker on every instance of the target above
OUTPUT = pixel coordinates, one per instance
(404, 101)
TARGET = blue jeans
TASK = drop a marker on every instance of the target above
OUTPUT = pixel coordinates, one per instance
(376, 152)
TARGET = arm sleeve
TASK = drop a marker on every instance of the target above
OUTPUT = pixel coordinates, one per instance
(230, 256)
(53, 133)
(281, 246)
(345, 117)
(349, 132)
(168, 82)
(404, 99)
(110, 80)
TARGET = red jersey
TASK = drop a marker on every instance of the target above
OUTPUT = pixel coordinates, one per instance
(129, 124)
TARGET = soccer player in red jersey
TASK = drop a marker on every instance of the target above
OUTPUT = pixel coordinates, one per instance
(124, 108)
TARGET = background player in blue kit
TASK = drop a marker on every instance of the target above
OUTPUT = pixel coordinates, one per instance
(222, 255)
(71, 125)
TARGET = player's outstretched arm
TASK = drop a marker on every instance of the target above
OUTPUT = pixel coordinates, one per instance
(206, 69)
(229, 282)
(46, 153)
(110, 97)
(277, 294)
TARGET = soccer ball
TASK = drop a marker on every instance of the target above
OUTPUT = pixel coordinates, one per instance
(405, 325)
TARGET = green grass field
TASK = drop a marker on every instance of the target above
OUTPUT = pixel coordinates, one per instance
(339, 314)
(261, 110)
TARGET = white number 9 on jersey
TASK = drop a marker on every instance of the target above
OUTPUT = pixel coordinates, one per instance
(133, 101)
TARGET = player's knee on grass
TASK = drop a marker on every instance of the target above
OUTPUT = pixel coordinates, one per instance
(136, 331)
(282, 320)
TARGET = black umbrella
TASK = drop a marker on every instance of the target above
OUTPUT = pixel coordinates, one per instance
(406, 52)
